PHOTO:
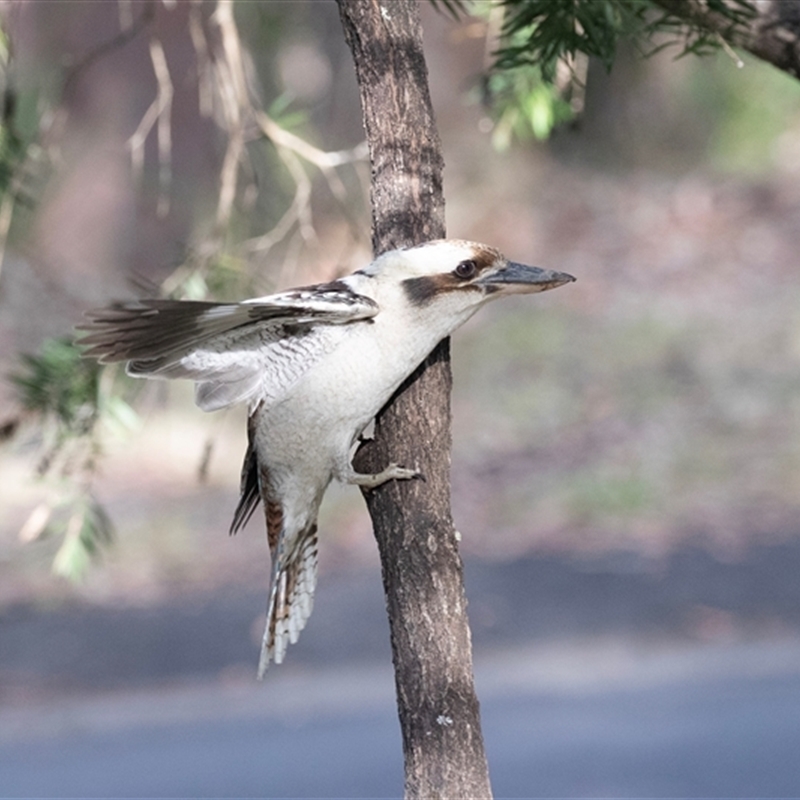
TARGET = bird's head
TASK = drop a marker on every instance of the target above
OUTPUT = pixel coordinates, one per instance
(457, 277)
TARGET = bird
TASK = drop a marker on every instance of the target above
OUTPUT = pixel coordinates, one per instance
(314, 365)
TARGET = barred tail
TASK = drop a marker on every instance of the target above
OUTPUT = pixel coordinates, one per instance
(291, 598)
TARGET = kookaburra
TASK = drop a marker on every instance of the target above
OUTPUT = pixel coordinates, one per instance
(314, 366)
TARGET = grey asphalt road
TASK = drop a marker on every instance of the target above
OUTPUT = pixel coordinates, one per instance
(592, 719)
(604, 676)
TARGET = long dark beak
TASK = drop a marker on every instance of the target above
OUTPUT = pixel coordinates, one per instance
(519, 279)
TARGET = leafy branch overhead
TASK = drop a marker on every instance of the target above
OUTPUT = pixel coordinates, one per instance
(540, 49)
(545, 32)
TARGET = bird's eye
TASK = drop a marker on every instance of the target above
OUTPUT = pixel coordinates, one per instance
(466, 269)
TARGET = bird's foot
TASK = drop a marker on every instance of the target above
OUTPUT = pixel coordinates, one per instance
(393, 472)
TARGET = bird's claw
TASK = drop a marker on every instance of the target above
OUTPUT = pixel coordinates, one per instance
(394, 472)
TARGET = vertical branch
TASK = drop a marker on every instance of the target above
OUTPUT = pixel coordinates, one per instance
(164, 129)
(158, 113)
(235, 102)
(421, 565)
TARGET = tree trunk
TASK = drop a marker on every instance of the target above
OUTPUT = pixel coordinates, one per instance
(421, 565)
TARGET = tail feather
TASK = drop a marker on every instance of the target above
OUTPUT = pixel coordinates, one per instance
(291, 599)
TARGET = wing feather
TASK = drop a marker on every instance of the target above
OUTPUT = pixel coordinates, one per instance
(250, 495)
(236, 352)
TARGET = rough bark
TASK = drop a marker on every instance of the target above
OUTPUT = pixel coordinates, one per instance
(421, 565)
(772, 33)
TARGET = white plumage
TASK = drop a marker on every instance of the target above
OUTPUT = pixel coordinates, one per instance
(314, 366)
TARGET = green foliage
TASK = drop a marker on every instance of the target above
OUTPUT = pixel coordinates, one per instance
(61, 386)
(523, 105)
(544, 32)
(537, 79)
(19, 155)
(281, 112)
(227, 277)
(69, 399)
(754, 111)
(10, 143)
(88, 528)
(12, 152)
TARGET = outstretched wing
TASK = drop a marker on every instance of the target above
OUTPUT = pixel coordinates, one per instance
(236, 352)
